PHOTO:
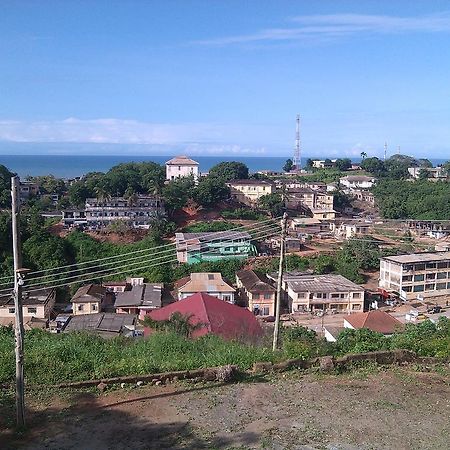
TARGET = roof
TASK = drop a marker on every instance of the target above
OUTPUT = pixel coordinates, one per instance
(88, 293)
(334, 331)
(213, 235)
(254, 282)
(418, 257)
(148, 295)
(251, 181)
(306, 221)
(321, 283)
(182, 160)
(37, 297)
(219, 317)
(376, 320)
(206, 282)
(104, 322)
(357, 178)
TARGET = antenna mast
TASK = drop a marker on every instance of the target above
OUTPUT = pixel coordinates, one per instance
(297, 156)
(385, 150)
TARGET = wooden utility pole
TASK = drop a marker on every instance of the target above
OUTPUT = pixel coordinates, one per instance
(276, 329)
(18, 282)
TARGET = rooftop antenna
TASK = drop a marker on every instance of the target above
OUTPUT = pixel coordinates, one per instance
(385, 150)
(297, 162)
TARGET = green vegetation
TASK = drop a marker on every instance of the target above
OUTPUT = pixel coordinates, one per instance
(243, 214)
(272, 203)
(419, 200)
(289, 165)
(229, 170)
(204, 227)
(5, 187)
(50, 358)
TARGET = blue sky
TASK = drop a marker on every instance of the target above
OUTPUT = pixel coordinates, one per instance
(227, 77)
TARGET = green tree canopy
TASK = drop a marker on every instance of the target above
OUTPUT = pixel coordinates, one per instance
(288, 166)
(229, 170)
(210, 191)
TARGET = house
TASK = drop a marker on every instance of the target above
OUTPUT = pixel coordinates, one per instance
(90, 299)
(250, 191)
(36, 305)
(117, 286)
(138, 212)
(214, 316)
(211, 283)
(255, 289)
(416, 276)
(309, 226)
(139, 299)
(74, 217)
(308, 198)
(181, 166)
(322, 163)
(375, 320)
(213, 246)
(357, 182)
(331, 333)
(432, 172)
(436, 230)
(105, 324)
(350, 230)
(364, 196)
(443, 246)
(28, 189)
(309, 292)
(323, 214)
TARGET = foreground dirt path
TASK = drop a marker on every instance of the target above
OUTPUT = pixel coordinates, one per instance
(399, 409)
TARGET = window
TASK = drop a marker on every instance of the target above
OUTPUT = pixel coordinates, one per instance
(335, 295)
(419, 288)
(442, 275)
(407, 278)
(31, 310)
(440, 286)
(227, 298)
(255, 296)
(419, 267)
(431, 276)
(419, 277)
(80, 307)
(94, 307)
(302, 295)
(357, 295)
(442, 265)
(407, 288)
(429, 287)
(210, 276)
(11, 310)
(431, 266)
(265, 311)
(356, 306)
(267, 296)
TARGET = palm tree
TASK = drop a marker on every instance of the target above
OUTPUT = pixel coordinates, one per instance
(363, 155)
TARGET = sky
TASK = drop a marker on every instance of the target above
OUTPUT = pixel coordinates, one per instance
(225, 77)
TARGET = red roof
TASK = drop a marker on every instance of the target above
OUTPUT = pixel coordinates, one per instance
(220, 318)
(376, 320)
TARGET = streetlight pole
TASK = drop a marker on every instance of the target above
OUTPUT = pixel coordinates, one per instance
(18, 282)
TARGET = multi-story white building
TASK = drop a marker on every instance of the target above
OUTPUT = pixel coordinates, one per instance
(308, 292)
(419, 275)
(139, 212)
(357, 182)
(181, 166)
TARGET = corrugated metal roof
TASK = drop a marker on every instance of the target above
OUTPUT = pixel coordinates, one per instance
(321, 283)
(419, 257)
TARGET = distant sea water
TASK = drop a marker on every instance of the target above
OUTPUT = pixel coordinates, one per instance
(71, 166)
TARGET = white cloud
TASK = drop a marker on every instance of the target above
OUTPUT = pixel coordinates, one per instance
(339, 25)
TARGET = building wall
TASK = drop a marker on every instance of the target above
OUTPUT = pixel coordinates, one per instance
(263, 302)
(225, 296)
(249, 194)
(350, 301)
(419, 279)
(173, 171)
(87, 308)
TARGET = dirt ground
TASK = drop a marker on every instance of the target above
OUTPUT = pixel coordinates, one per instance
(368, 409)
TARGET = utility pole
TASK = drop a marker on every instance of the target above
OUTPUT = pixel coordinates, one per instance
(276, 329)
(18, 282)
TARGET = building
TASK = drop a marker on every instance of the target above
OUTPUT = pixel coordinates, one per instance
(258, 294)
(213, 246)
(90, 299)
(36, 305)
(377, 320)
(436, 230)
(308, 292)
(350, 230)
(331, 333)
(323, 214)
(138, 212)
(140, 299)
(416, 276)
(357, 182)
(323, 163)
(28, 189)
(210, 283)
(250, 191)
(117, 286)
(364, 196)
(309, 226)
(307, 198)
(432, 172)
(74, 218)
(105, 324)
(181, 166)
(214, 316)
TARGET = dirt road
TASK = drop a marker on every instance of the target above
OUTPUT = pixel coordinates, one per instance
(398, 409)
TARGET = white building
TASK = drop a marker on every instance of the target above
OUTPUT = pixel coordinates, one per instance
(211, 283)
(357, 182)
(181, 166)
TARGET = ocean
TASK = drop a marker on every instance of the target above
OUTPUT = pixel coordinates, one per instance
(71, 166)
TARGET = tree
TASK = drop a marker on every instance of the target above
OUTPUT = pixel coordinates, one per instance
(343, 164)
(363, 155)
(424, 174)
(177, 192)
(288, 166)
(78, 193)
(309, 164)
(211, 191)
(374, 166)
(228, 171)
(5, 187)
(272, 203)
